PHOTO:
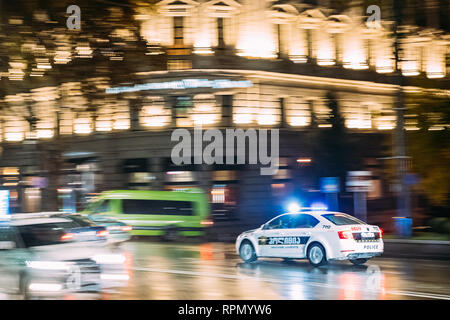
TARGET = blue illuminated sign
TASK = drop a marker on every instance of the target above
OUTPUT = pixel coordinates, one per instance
(4, 202)
(183, 84)
(329, 185)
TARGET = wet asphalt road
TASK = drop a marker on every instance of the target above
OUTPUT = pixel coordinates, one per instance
(165, 271)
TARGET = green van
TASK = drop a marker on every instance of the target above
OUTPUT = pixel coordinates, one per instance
(154, 213)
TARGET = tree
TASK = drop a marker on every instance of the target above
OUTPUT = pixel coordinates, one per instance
(333, 147)
(429, 146)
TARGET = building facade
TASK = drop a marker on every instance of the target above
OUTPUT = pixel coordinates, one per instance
(249, 64)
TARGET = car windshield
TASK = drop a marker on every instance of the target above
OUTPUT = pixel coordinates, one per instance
(341, 219)
(44, 234)
(82, 221)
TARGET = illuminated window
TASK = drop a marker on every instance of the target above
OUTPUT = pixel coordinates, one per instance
(357, 116)
(298, 112)
(121, 117)
(104, 121)
(83, 124)
(224, 175)
(435, 60)
(154, 114)
(355, 53)
(180, 176)
(326, 51)
(224, 194)
(244, 111)
(179, 64)
(206, 111)
(66, 118)
(269, 113)
(411, 58)
(15, 129)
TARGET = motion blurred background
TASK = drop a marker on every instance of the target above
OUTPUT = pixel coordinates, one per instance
(364, 104)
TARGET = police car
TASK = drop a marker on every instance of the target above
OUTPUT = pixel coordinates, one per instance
(319, 236)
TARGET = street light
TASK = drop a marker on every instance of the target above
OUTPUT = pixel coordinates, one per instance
(403, 223)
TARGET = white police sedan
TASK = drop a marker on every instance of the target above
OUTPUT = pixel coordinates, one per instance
(319, 236)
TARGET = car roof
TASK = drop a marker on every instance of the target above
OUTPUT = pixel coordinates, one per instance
(20, 219)
(33, 221)
(194, 194)
(313, 213)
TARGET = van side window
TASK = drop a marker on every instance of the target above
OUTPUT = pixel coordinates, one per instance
(157, 207)
(103, 207)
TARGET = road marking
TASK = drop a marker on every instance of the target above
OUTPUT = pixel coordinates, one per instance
(420, 295)
(316, 284)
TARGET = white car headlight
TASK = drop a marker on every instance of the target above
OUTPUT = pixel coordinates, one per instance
(46, 287)
(47, 265)
(109, 258)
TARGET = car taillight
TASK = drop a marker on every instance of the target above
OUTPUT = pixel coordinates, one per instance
(67, 237)
(102, 233)
(207, 222)
(345, 235)
(126, 228)
(381, 233)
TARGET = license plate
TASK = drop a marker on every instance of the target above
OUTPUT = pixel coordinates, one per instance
(367, 235)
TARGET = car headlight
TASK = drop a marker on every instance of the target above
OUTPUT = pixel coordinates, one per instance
(109, 258)
(47, 265)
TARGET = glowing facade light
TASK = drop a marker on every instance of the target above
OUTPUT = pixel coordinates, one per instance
(14, 136)
(435, 62)
(184, 84)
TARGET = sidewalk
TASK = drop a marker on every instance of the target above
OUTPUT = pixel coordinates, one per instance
(417, 249)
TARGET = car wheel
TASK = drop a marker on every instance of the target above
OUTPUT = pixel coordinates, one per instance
(317, 255)
(247, 252)
(171, 235)
(358, 261)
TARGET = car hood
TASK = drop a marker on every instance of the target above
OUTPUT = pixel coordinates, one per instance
(249, 231)
(69, 251)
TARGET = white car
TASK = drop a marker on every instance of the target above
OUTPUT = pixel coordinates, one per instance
(47, 255)
(319, 236)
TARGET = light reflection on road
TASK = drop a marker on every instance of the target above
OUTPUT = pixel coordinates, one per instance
(214, 271)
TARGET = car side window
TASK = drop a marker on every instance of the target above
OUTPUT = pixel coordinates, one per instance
(9, 238)
(279, 223)
(304, 221)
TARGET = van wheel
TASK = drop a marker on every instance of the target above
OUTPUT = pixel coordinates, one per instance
(316, 255)
(171, 235)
